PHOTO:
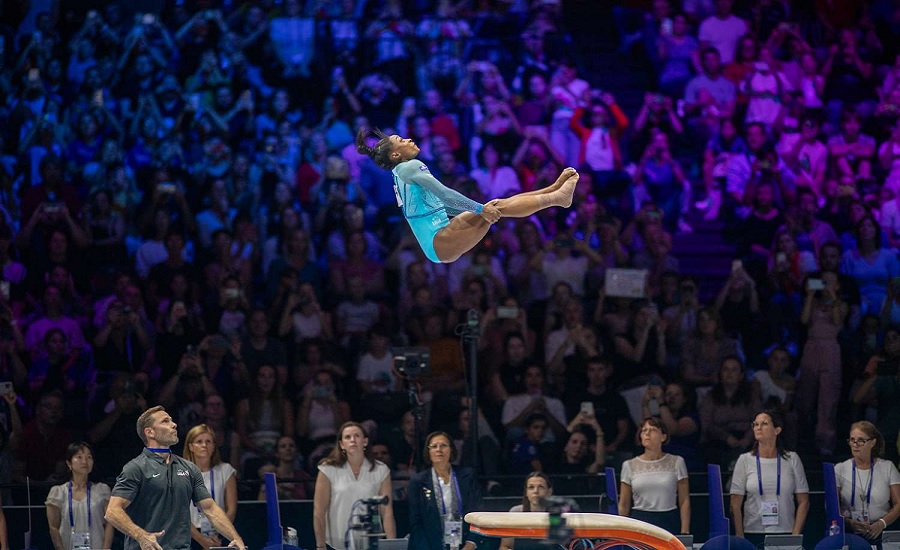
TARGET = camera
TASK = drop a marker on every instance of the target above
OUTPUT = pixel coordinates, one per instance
(412, 363)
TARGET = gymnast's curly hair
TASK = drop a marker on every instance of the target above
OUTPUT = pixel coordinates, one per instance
(382, 150)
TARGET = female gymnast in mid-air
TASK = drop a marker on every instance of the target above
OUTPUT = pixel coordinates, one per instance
(426, 202)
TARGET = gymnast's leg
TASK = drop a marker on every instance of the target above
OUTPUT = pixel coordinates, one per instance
(524, 205)
(563, 176)
(463, 233)
(467, 229)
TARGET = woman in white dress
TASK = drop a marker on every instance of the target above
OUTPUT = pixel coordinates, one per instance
(219, 478)
(654, 485)
(769, 491)
(76, 508)
(346, 476)
(868, 485)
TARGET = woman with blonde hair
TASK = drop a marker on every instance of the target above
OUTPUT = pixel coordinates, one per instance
(219, 478)
(868, 485)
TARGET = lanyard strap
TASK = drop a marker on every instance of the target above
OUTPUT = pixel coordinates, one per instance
(164, 451)
(853, 488)
(759, 476)
(71, 515)
(441, 494)
(212, 484)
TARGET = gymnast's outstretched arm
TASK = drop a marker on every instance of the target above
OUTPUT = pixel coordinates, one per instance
(415, 171)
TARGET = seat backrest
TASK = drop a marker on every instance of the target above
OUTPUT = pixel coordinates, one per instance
(718, 523)
(832, 501)
(612, 492)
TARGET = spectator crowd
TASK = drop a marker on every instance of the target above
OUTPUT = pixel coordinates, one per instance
(185, 220)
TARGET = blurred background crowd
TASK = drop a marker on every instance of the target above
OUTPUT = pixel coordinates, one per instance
(184, 220)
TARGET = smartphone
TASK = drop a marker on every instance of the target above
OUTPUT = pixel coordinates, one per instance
(815, 284)
(736, 265)
(34, 75)
(232, 292)
(587, 407)
(166, 187)
(781, 258)
(6, 388)
(148, 19)
(98, 98)
(507, 312)
(4, 290)
(52, 207)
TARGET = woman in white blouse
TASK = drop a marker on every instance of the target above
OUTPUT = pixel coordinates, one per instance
(654, 485)
(219, 478)
(868, 485)
(350, 473)
(76, 508)
(769, 491)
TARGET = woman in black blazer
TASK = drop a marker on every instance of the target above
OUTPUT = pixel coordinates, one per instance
(440, 496)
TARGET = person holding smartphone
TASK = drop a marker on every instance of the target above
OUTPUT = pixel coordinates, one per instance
(584, 433)
(819, 386)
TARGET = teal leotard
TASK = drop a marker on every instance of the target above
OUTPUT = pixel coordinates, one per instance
(427, 203)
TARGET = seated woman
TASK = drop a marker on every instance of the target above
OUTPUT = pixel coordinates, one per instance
(703, 351)
(263, 417)
(538, 488)
(286, 468)
(425, 201)
(726, 414)
(678, 411)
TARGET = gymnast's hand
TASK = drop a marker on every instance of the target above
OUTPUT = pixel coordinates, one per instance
(490, 212)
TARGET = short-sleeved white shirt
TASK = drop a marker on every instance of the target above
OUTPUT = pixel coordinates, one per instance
(654, 483)
(885, 475)
(220, 473)
(59, 497)
(745, 481)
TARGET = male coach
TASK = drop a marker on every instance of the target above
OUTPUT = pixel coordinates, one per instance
(156, 488)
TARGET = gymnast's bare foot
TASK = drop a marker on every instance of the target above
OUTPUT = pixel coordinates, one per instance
(563, 176)
(568, 190)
